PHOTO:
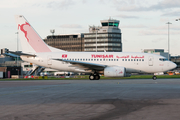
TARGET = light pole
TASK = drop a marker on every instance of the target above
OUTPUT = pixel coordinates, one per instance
(17, 47)
(178, 19)
(168, 39)
(17, 71)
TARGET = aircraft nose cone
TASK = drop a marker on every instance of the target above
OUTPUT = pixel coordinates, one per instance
(173, 65)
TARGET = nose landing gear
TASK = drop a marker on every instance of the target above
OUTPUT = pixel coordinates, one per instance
(154, 77)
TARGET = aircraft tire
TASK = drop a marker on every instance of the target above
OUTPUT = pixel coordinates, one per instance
(97, 77)
(91, 77)
(154, 77)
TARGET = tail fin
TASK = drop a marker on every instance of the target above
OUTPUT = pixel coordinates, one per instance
(31, 42)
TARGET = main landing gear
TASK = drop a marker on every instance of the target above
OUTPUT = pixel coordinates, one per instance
(154, 77)
(94, 76)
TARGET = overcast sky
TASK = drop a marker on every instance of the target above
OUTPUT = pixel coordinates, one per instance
(142, 22)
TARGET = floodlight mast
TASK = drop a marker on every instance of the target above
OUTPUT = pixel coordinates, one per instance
(17, 47)
(168, 39)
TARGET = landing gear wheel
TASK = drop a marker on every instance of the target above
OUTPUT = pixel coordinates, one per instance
(154, 77)
(97, 77)
(91, 77)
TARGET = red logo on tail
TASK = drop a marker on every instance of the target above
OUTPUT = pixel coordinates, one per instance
(33, 38)
(22, 29)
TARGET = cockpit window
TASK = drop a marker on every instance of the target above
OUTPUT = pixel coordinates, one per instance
(163, 59)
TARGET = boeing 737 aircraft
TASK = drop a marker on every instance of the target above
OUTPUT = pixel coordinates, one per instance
(111, 64)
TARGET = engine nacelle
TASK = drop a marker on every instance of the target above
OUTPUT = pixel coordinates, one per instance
(115, 71)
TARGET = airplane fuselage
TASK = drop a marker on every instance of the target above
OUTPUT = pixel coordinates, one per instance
(133, 62)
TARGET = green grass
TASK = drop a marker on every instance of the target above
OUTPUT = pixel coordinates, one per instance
(85, 77)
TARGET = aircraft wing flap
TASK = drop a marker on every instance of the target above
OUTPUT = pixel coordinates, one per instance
(84, 65)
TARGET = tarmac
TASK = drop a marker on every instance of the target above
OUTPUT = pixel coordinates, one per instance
(128, 99)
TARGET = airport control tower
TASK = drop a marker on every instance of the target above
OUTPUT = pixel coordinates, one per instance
(104, 38)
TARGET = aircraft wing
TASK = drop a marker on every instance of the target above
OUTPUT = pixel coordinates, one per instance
(84, 65)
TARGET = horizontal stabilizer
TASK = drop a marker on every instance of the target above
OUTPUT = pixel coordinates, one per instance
(22, 54)
(11, 55)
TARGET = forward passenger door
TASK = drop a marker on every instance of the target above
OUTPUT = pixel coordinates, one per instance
(150, 61)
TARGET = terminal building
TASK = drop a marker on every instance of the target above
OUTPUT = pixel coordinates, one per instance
(9, 65)
(106, 37)
(73, 42)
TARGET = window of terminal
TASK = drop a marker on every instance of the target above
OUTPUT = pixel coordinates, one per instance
(110, 24)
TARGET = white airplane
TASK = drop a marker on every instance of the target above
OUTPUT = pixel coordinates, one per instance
(111, 64)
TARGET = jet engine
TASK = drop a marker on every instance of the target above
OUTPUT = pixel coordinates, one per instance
(115, 71)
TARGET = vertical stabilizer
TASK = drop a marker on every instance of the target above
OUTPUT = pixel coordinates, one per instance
(31, 42)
